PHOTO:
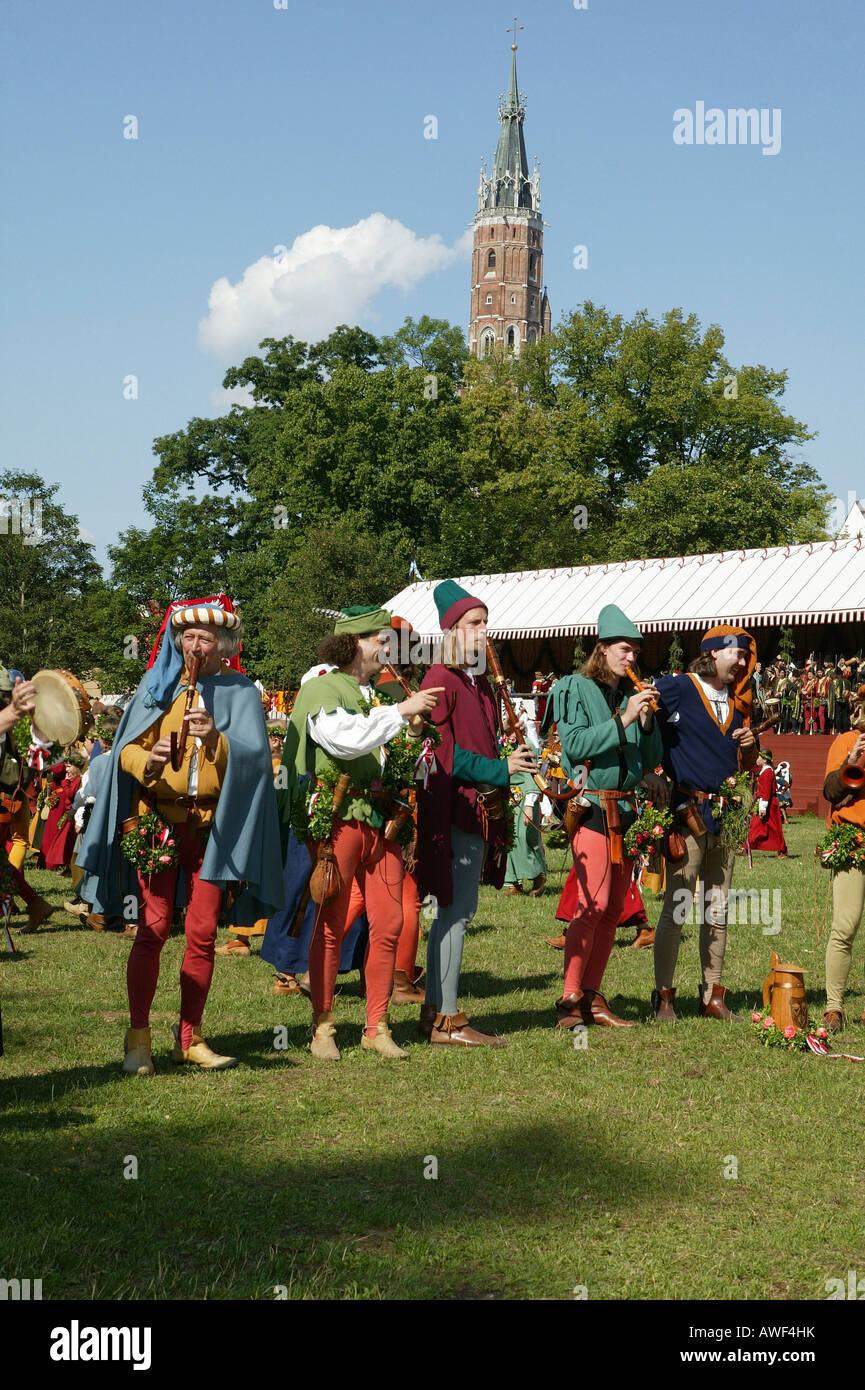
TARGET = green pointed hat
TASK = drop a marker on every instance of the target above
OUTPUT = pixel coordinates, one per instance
(452, 600)
(362, 621)
(613, 626)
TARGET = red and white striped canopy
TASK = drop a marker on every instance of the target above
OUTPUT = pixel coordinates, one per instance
(823, 582)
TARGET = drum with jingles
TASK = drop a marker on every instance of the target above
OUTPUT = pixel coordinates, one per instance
(62, 710)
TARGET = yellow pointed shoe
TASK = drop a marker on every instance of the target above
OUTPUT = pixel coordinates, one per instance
(199, 1053)
(323, 1046)
(383, 1042)
(136, 1052)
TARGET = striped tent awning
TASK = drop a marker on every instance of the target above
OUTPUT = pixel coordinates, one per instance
(775, 586)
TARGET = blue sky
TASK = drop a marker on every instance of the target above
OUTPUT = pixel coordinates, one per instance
(257, 124)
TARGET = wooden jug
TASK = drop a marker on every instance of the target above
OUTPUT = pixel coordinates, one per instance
(784, 994)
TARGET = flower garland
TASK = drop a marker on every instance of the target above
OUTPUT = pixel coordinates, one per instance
(646, 835)
(312, 813)
(733, 804)
(48, 796)
(150, 845)
(842, 847)
(790, 1038)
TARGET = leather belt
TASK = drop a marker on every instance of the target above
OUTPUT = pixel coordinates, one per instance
(192, 803)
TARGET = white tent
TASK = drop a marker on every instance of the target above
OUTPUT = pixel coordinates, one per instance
(823, 582)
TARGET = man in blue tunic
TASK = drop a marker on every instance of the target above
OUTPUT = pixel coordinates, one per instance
(704, 721)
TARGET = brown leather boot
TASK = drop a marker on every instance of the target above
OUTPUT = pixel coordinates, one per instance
(512, 890)
(557, 942)
(645, 937)
(596, 1010)
(428, 1016)
(404, 992)
(455, 1028)
(662, 1005)
(570, 1014)
(537, 887)
(833, 1020)
(717, 1008)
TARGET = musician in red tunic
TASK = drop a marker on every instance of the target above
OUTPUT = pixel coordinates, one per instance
(766, 831)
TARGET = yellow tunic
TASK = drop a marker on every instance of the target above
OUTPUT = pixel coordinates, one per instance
(168, 784)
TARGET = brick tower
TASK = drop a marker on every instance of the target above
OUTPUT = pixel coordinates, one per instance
(509, 301)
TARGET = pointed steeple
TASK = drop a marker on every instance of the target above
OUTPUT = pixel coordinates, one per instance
(510, 185)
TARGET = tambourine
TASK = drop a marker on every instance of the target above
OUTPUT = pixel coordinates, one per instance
(62, 708)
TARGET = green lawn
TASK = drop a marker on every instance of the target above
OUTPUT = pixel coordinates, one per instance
(557, 1167)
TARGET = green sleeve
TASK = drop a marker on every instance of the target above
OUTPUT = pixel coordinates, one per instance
(476, 770)
(651, 746)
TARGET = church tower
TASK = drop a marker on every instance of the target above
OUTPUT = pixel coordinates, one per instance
(509, 304)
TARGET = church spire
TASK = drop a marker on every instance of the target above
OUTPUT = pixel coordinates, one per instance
(510, 185)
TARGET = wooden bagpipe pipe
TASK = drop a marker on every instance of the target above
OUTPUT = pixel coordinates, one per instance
(178, 745)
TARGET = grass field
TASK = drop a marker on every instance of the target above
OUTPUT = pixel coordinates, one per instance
(556, 1168)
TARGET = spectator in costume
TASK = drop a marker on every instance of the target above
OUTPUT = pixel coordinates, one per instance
(608, 726)
(17, 780)
(766, 831)
(58, 839)
(704, 721)
(848, 885)
(219, 807)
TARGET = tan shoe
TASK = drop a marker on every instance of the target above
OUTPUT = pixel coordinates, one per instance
(286, 984)
(645, 937)
(199, 1053)
(233, 948)
(404, 991)
(383, 1042)
(136, 1052)
(323, 1046)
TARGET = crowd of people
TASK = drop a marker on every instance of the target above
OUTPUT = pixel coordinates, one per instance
(814, 699)
(325, 837)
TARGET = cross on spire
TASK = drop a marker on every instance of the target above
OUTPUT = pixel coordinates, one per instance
(516, 26)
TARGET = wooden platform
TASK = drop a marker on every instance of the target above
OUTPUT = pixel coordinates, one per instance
(806, 754)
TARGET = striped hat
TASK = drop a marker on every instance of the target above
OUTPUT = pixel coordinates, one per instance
(204, 615)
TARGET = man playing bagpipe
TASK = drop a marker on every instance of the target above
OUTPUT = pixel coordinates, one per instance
(844, 789)
(191, 774)
(462, 833)
(704, 717)
(333, 749)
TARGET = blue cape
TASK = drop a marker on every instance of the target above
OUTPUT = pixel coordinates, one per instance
(290, 954)
(243, 845)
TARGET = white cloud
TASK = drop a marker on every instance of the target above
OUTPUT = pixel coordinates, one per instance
(329, 275)
(223, 398)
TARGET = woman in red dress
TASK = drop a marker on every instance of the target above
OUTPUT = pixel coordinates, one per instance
(58, 839)
(766, 830)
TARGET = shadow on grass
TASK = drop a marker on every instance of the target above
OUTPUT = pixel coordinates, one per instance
(329, 1223)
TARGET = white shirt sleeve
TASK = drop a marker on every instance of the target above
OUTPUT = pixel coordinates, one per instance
(344, 734)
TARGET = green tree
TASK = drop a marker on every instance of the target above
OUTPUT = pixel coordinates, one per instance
(46, 573)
